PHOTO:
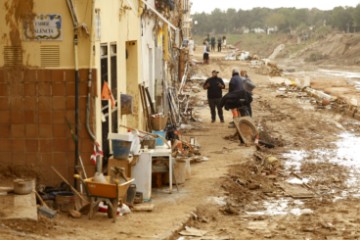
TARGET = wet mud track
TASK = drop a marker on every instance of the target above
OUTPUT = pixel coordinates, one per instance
(307, 187)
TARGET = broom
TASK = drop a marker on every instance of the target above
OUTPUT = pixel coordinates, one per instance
(44, 209)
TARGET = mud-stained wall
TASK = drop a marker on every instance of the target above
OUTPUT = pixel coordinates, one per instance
(34, 134)
(35, 100)
(17, 12)
(35, 96)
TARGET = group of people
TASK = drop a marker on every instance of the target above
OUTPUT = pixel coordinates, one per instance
(211, 42)
(238, 99)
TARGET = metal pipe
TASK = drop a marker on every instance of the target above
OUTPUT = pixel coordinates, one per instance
(88, 128)
(77, 79)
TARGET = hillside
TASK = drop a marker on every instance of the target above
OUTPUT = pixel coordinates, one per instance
(335, 49)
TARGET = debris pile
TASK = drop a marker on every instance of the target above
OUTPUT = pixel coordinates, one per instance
(240, 55)
(266, 67)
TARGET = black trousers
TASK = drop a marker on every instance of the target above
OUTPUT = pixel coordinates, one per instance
(215, 103)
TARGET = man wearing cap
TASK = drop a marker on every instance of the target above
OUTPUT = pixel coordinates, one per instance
(214, 86)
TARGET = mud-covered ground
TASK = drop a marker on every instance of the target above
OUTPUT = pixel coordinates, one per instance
(307, 187)
(310, 187)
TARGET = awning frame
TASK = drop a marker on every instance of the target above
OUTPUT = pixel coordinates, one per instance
(160, 15)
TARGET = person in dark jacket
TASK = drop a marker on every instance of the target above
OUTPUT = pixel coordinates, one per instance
(214, 86)
(219, 42)
(236, 84)
(213, 43)
(239, 100)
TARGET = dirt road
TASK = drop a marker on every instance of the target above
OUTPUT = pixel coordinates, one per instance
(310, 192)
(304, 188)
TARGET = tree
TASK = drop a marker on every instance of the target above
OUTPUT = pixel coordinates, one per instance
(341, 19)
(356, 18)
(218, 20)
(231, 20)
(285, 19)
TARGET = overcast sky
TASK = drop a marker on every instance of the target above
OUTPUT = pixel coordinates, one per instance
(209, 5)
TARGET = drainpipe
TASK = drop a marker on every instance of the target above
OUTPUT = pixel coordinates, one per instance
(91, 133)
(77, 77)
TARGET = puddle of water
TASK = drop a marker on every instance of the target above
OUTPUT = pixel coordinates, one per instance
(348, 150)
(294, 159)
(345, 154)
(280, 207)
(273, 208)
(338, 73)
(298, 181)
(220, 201)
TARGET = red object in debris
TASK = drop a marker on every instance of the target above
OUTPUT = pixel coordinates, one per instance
(325, 102)
(257, 139)
(104, 208)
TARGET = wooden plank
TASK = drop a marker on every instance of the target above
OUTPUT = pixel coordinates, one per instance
(145, 108)
(148, 113)
(150, 100)
(296, 191)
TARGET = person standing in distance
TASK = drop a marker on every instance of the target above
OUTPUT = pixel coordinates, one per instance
(206, 53)
(214, 86)
(219, 41)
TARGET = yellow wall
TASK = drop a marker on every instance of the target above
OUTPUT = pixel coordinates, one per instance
(31, 48)
(120, 23)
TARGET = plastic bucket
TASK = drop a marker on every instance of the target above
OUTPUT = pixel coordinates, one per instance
(158, 123)
(121, 149)
(159, 141)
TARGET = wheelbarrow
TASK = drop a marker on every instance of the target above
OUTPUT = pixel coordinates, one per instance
(109, 193)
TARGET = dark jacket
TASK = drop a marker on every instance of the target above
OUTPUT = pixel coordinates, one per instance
(236, 83)
(236, 99)
(214, 86)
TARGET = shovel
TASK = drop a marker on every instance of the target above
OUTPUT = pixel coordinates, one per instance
(84, 202)
(44, 208)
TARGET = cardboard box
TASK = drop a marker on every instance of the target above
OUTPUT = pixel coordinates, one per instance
(113, 162)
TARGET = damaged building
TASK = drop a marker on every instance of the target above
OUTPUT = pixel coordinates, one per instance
(65, 69)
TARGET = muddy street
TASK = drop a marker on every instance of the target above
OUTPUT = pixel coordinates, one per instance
(107, 126)
(304, 188)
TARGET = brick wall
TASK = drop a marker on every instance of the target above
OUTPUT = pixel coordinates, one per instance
(33, 131)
